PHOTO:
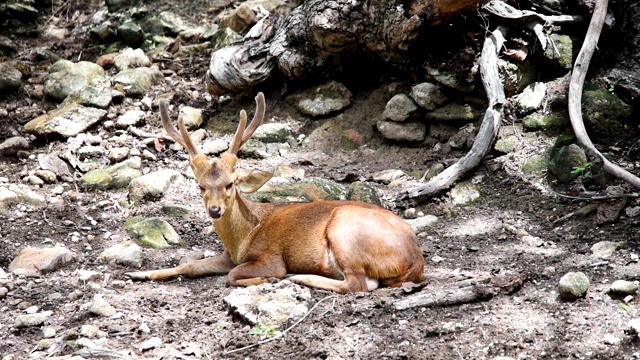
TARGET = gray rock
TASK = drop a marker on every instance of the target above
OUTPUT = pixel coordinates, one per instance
(361, 191)
(214, 147)
(269, 304)
(387, 176)
(32, 319)
(464, 193)
(136, 82)
(93, 96)
(402, 132)
(224, 37)
(516, 75)
(131, 34)
(7, 199)
(127, 253)
(166, 23)
(151, 343)
(47, 176)
(103, 33)
(428, 96)
(421, 224)
(606, 116)
(210, 32)
(540, 121)
(101, 307)
(152, 186)
(192, 117)
(433, 171)
(69, 120)
(66, 77)
(53, 162)
(605, 249)
(563, 161)
(131, 118)
(573, 285)
(401, 108)
(25, 194)
(118, 154)
(326, 99)
(176, 210)
(273, 133)
(558, 54)
(623, 287)
(453, 79)
(531, 98)
(35, 261)
(114, 177)
(12, 145)
(631, 211)
(152, 232)
(454, 112)
(10, 78)
(130, 59)
(311, 189)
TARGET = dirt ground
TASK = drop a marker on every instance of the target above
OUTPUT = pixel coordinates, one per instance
(189, 316)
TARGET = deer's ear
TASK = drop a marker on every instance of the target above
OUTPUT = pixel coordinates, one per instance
(251, 180)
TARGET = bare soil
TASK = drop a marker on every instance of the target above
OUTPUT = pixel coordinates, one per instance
(189, 316)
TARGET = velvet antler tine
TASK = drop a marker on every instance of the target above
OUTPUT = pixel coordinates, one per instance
(168, 126)
(188, 143)
(237, 140)
(258, 117)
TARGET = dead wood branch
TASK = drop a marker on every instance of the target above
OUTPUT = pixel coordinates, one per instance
(488, 129)
(575, 94)
(465, 291)
(530, 19)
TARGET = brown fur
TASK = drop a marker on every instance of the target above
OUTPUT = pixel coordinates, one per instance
(342, 246)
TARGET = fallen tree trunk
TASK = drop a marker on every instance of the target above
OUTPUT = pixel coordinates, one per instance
(310, 41)
(488, 129)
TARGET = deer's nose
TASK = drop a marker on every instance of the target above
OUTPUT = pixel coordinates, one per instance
(214, 212)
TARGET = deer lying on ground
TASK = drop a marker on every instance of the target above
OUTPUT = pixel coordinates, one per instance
(341, 246)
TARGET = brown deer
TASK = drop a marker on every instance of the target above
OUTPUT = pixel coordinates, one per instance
(342, 246)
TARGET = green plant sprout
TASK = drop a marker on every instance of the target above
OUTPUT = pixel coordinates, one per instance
(579, 170)
(264, 330)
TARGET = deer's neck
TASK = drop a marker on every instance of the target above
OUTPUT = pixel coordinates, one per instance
(235, 226)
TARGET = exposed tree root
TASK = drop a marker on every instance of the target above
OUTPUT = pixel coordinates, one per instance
(575, 94)
(488, 130)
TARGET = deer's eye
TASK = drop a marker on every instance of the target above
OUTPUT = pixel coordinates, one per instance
(202, 189)
(229, 186)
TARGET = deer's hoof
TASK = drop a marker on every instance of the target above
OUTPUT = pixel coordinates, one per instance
(137, 276)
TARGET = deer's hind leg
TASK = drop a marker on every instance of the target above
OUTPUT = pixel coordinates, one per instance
(353, 282)
(215, 265)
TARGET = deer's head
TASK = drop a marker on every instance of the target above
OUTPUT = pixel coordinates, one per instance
(218, 178)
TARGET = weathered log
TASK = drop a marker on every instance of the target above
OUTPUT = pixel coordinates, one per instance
(465, 291)
(488, 129)
(310, 41)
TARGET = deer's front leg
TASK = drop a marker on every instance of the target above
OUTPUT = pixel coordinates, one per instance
(215, 265)
(257, 272)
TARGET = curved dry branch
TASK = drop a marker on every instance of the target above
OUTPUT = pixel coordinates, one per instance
(488, 130)
(575, 94)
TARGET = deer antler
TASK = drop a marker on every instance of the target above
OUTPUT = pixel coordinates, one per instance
(181, 137)
(242, 134)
